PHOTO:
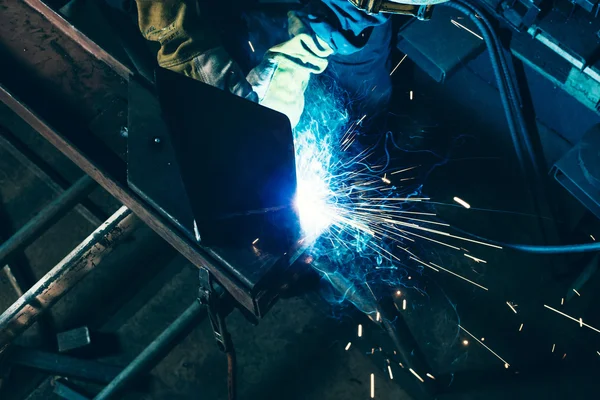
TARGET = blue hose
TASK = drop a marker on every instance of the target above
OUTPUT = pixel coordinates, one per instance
(569, 248)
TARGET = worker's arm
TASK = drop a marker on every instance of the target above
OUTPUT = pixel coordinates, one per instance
(188, 44)
(340, 24)
(321, 29)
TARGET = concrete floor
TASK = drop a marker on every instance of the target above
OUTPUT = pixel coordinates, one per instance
(297, 350)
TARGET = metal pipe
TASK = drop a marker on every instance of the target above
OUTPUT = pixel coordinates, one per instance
(47, 216)
(31, 161)
(156, 351)
(13, 280)
(62, 365)
(60, 279)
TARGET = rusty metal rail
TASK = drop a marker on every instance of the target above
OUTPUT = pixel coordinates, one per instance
(60, 279)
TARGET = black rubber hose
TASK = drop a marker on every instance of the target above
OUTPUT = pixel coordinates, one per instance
(487, 35)
(514, 98)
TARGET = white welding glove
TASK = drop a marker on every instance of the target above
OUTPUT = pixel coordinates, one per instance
(283, 75)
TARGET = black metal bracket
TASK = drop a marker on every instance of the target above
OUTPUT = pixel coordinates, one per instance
(213, 297)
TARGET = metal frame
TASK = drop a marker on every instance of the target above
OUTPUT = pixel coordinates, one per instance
(121, 192)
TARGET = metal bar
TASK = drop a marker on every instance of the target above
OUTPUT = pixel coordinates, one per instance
(13, 280)
(85, 42)
(60, 279)
(47, 216)
(121, 192)
(65, 391)
(156, 351)
(63, 365)
(24, 156)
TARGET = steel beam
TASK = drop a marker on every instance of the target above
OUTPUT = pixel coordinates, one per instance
(60, 279)
(81, 39)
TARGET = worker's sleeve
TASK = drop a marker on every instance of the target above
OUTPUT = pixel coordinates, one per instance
(341, 25)
(189, 46)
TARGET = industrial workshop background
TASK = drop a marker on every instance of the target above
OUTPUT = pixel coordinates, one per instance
(164, 239)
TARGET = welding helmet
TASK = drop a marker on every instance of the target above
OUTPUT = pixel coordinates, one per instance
(420, 9)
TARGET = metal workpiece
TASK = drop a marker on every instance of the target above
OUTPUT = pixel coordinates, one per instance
(60, 279)
(156, 351)
(47, 216)
(74, 339)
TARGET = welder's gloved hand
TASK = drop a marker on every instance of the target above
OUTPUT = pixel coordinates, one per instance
(282, 77)
(189, 45)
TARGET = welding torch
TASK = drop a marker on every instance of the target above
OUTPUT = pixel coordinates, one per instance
(420, 9)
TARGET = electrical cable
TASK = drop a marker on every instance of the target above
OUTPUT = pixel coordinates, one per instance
(231, 375)
(539, 249)
(512, 92)
(564, 249)
(530, 162)
(498, 73)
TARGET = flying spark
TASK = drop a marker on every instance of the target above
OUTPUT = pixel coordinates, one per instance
(477, 260)
(506, 365)
(251, 47)
(462, 202)
(465, 342)
(430, 376)
(553, 347)
(255, 241)
(406, 169)
(512, 307)
(390, 372)
(459, 25)
(562, 301)
(359, 330)
(521, 328)
(415, 374)
(396, 67)
(378, 316)
(411, 95)
(576, 292)
(404, 304)
(593, 238)
(348, 346)
(460, 276)
(372, 386)
(580, 321)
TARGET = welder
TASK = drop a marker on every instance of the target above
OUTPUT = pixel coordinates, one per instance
(353, 43)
